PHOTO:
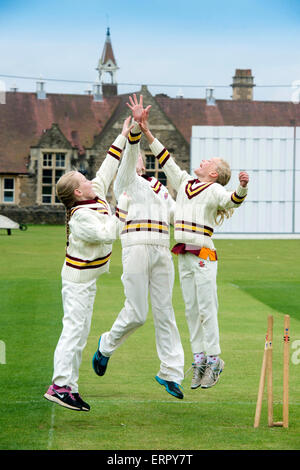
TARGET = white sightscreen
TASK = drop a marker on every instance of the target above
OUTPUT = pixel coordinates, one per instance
(271, 156)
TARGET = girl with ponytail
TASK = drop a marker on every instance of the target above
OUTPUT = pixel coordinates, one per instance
(91, 228)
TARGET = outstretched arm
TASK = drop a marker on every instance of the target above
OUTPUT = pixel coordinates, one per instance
(127, 171)
(108, 169)
(167, 163)
(232, 200)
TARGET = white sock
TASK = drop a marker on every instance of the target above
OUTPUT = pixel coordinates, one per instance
(199, 358)
(212, 359)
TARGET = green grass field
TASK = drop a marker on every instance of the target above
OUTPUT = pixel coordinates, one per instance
(129, 410)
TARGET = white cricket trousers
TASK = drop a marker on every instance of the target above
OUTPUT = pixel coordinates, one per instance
(198, 279)
(149, 269)
(78, 301)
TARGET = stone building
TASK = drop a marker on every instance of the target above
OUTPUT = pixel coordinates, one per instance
(43, 135)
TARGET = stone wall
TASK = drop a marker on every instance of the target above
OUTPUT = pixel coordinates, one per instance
(27, 190)
(53, 215)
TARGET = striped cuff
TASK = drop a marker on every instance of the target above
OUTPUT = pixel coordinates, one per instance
(163, 157)
(160, 152)
(115, 152)
(157, 187)
(236, 199)
(134, 138)
(121, 214)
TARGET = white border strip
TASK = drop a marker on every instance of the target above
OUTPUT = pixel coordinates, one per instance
(257, 236)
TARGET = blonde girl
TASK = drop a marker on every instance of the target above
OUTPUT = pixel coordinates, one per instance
(201, 204)
(91, 230)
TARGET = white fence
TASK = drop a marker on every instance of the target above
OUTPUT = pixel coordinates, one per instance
(272, 158)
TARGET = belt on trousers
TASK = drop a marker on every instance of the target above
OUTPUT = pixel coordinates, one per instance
(201, 252)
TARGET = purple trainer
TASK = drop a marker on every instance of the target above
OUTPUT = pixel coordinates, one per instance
(62, 396)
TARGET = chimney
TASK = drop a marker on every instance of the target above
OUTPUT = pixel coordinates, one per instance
(14, 88)
(40, 92)
(210, 99)
(97, 92)
(242, 85)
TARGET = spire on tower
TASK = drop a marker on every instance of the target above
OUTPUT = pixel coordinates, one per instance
(107, 63)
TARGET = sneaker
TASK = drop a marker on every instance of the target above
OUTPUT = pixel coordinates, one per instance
(99, 361)
(62, 396)
(198, 372)
(212, 373)
(172, 387)
(84, 405)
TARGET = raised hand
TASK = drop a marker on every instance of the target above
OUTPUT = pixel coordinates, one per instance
(143, 123)
(127, 127)
(244, 178)
(136, 107)
(144, 119)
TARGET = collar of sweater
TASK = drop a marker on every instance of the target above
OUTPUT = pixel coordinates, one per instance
(148, 178)
(196, 181)
(88, 201)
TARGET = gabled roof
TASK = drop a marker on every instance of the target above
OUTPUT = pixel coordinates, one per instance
(185, 113)
(24, 119)
(54, 138)
(81, 120)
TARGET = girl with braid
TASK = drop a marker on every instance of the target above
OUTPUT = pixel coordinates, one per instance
(201, 204)
(91, 230)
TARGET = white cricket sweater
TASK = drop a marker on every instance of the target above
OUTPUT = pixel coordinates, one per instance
(197, 202)
(151, 207)
(93, 228)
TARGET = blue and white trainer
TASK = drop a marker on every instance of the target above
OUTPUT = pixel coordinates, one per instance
(100, 361)
(171, 387)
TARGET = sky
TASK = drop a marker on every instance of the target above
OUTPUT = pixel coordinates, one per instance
(187, 46)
